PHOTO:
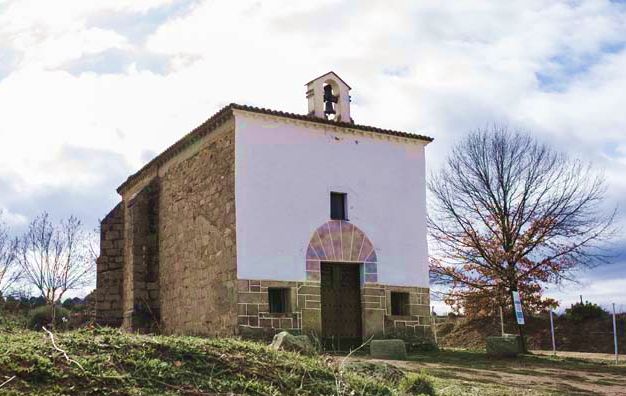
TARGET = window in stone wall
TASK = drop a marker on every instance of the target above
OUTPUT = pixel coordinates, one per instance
(400, 304)
(278, 299)
(338, 206)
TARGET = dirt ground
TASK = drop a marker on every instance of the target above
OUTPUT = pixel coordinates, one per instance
(609, 357)
(473, 373)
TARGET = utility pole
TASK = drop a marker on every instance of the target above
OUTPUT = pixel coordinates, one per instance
(615, 336)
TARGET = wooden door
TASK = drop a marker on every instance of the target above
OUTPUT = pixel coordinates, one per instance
(341, 305)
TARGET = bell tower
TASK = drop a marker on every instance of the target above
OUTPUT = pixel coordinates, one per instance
(329, 98)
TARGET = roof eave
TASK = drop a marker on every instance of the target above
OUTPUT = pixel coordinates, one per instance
(226, 113)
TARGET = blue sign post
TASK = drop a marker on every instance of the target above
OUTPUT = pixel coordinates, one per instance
(519, 314)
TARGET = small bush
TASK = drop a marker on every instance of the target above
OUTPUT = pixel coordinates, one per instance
(417, 384)
(377, 371)
(421, 345)
(579, 312)
(42, 316)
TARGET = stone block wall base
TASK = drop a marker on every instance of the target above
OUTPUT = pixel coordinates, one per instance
(141, 319)
(305, 315)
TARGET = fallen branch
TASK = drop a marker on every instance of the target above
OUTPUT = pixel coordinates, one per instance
(339, 377)
(7, 381)
(61, 350)
(354, 350)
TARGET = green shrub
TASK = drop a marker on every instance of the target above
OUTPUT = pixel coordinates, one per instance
(377, 371)
(579, 312)
(42, 316)
(417, 384)
(11, 321)
(421, 345)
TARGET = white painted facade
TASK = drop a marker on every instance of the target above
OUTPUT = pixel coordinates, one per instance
(284, 173)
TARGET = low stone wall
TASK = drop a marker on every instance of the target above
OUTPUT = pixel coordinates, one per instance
(255, 320)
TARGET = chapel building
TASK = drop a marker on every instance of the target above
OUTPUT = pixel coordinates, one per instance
(259, 221)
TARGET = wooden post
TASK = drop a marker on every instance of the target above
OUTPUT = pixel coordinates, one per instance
(552, 331)
(615, 336)
(501, 321)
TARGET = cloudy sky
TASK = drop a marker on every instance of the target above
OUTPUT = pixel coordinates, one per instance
(89, 91)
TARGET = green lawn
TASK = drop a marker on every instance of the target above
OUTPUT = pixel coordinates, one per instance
(109, 362)
(115, 363)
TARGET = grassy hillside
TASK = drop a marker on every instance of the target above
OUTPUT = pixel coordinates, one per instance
(114, 363)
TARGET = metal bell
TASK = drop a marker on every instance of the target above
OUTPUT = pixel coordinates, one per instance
(328, 108)
(328, 94)
(329, 99)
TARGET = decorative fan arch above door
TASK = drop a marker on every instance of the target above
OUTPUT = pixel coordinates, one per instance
(340, 241)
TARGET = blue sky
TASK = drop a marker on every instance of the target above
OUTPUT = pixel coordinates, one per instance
(89, 91)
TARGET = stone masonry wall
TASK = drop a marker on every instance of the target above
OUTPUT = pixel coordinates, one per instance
(109, 267)
(141, 269)
(198, 274)
(255, 320)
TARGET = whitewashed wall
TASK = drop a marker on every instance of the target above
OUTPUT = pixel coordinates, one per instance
(284, 175)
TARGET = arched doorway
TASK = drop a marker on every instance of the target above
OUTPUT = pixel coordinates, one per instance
(342, 259)
(341, 241)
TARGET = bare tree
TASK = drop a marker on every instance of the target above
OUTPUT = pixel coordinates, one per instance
(9, 270)
(511, 214)
(56, 258)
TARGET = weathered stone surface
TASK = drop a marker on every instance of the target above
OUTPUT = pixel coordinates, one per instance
(141, 269)
(312, 321)
(508, 345)
(197, 268)
(305, 307)
(388, 349)
(294, 343)
(168, 250)
(373, 322)
(109, 279)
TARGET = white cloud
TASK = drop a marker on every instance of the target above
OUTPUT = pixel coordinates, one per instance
(555, 68)
(604, 292)
(12, 220)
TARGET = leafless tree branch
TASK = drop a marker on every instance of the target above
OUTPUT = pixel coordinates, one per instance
(511, 213)
(56, 258)
(10, 272)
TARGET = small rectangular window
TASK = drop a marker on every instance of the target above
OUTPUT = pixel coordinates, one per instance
(338, 206)
(400, 304)
(278, 299)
